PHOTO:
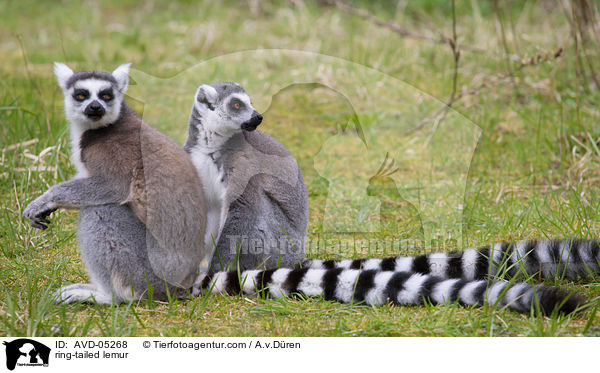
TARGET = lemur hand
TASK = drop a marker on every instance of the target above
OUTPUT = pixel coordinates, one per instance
(38, 212)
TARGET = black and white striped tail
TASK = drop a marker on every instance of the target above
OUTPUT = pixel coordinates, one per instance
(550, 259)
(375, 287)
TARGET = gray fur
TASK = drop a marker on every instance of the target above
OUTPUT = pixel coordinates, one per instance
(142, 214)
(75, 194)
(106, 228)
(266, 204)
(267, 222)
(82, 75)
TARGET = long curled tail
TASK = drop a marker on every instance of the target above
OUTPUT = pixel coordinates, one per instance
(549, 259)
(380, 287)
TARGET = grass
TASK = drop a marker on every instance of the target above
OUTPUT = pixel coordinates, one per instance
(517, 160)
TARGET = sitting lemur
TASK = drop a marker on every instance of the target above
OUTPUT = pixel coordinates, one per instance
(254, 188)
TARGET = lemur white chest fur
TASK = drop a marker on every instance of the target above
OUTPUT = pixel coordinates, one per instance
(203, 156)
(76, 133)
(215, 190)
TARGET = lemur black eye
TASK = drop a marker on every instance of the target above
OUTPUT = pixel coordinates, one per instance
(80, 94)
(236, 105)
(106, 95)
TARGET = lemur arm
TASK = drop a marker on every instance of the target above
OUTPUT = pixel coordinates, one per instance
(72, 194)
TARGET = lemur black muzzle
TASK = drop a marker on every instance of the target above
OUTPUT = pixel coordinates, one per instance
(94, 110)
(253, 122)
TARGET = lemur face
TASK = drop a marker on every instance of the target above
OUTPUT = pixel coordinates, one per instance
(225, 108)
(92, 98)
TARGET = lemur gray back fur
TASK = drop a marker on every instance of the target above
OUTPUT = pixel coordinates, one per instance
(142, 210)
(264, 215)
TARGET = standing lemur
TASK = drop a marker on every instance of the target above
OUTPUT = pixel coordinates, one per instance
(142, 210)
(254, 188)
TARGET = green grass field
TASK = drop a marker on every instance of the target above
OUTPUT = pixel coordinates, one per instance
(517, 158)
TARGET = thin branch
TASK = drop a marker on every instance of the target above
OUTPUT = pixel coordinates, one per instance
(456, 54)
(394, 27)
(489, 83)
(455, 96)
(524, 63)
(581, 12)
(513, 30)
(502, 33)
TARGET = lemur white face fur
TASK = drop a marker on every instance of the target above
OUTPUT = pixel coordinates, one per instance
(93, 99)
(220, 110)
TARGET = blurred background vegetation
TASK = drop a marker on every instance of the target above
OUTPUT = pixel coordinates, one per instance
(526, 73)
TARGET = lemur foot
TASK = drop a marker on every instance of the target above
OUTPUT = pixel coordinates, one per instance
(81, 293)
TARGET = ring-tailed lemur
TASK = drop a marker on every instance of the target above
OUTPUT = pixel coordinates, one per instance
(142, 210)
(255, 192)
(219, 147)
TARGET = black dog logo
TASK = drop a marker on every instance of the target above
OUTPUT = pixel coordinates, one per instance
(31, 350)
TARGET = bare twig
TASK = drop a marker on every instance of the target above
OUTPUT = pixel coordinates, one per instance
(394, 27)
(524, 63)
(502, 34)
(513, 31)
(455, 52)
(584, 19)
(16, 146)
(489, 83)
(579, 70)
(453, 43)
(35, 169)
(20, 144)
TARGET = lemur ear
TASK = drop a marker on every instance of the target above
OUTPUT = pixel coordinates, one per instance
(207, 95)
(121, 74)
(63, 73)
